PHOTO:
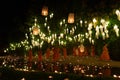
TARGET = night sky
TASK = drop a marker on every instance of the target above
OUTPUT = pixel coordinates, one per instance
(15, 12)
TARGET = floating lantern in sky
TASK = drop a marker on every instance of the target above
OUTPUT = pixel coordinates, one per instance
(71, 18)
(36, 30)
(62, 34)
(44, 11)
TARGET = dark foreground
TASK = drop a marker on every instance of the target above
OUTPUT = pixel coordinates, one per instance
(11, 74)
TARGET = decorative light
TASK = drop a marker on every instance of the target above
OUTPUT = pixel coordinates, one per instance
(93, 42)
(97, 34)
(85, 23)
(115, 76)
(71, 18)
(102, 21)
(116, 30)
(45, 24)
(23, 79)
(36, 31)
(82, 48)
(117, 12)
(93, 32)
(94, 22)
(90, 26)
(81, 23)
(50, 77)
(5, 51)
(91, 75)
(101, 28)
(63, 20)
(44, 11)
(103, 34)
(118, 76)
(61, 23)
(51, 15)
(46, 19)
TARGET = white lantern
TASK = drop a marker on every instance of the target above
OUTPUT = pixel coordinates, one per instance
(71, 18)
(44, 11)
(36, 30)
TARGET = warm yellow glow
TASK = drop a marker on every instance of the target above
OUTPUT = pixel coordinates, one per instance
(36, 31)
(94, 20)
(90, 26)
(114, 76)
(115, 27)
(102, 21)
(61, 23)
(71, 18)
(94, 29)
(81, 23)
(44, 11)
(82, 48)
(51, 15)
(117, 12)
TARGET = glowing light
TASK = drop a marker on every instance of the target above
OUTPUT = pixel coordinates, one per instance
(117, 12)
(102, 21)
(46, 19)
(51, 15)
(116, 30)
(90, 26)
(44, 11)
(94, 20)
(82, 48)
(36, 31)
(118, 76)
(71, 18)
(81, 23)
(66, 79)
(61, 23)
(115, 76)
(45, 24)
(68, 34)
(63, 20)
(50, 77)
(91, 75)
(5, 51)
(23, 79)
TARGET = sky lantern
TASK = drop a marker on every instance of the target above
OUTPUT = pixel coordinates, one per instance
(36, 30)
(71, 18)
(44, 11)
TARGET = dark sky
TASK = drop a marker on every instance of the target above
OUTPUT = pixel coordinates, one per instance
(14, 12)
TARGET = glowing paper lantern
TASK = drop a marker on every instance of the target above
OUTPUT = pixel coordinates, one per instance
(82, 48)
(44, 11)
(71, 18)
(36, 31)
